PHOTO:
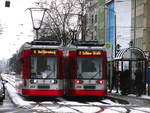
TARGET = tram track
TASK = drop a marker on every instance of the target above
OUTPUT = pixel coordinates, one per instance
(57, 105)
(61, 103)
(71, 107)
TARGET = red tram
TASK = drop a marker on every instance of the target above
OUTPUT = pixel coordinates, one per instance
(87, 74)
(40, 69)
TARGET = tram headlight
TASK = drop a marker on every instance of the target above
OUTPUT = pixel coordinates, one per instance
(53, 81)
(32, 81)
(100, 82)
(78, 81)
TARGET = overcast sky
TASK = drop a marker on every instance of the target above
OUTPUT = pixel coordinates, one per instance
(123, 12)
(16, 24)
(17, 27)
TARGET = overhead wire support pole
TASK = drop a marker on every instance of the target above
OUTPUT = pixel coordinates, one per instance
(134, 23)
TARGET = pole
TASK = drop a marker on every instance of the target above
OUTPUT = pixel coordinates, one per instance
(115, 36)
(134, 22)
(36, 34)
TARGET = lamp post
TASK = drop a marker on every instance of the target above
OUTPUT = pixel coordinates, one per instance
(7, 3)
(37, 16)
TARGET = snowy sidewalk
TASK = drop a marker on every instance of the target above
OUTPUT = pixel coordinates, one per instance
(142, 100)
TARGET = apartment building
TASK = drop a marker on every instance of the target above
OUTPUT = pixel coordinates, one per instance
(95, 20)
(91, 12)
(140, 24)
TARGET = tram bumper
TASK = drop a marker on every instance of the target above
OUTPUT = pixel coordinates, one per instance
(27, 92)
(89, 93)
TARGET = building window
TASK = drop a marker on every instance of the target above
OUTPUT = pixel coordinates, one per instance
(92, 19)
(95, 18)
(92, 36)
(95, 28)
(90, 3)
(95, 38)
(87, 17)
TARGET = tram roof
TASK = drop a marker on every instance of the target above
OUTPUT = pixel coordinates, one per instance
(40, 44)
(86, 45)
(131, 53)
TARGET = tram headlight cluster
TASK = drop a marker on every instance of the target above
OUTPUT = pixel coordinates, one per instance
(32, 81)
(78, 81)
(100, 82)
(53, 81)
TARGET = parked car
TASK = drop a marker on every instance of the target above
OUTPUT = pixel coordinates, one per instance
(2, 90)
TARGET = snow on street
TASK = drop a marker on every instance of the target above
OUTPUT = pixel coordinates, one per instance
(63, 105)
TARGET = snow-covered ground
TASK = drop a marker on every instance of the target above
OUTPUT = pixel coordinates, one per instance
(67, 106)
(132, 95)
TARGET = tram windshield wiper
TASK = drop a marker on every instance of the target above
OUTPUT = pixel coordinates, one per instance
(48, 74)
(52, 73)
(95, 75)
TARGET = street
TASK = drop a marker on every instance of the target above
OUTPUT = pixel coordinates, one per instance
(7, 106)
(114, 103)
(140, 105)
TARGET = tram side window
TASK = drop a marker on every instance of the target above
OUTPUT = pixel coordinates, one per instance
(19, 66)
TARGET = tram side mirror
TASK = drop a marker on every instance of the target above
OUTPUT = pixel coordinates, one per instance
(7, 3)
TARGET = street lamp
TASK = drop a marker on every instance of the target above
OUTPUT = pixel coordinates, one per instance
(7, 3)
(37, 16)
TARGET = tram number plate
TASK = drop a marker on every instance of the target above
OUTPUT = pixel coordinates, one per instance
(89, 87)
(43, 87)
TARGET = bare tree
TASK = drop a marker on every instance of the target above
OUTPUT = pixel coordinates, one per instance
(1, 29)
(64, 19)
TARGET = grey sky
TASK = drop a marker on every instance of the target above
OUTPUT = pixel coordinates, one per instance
(123, 12)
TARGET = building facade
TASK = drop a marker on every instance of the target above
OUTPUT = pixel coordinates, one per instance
(110, 23)
(140, 24)
(101, 23)
(95, 20)
(91, 13)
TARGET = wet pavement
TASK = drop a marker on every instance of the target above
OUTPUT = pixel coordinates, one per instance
(130, 103)
(8, 107)
(133, 100)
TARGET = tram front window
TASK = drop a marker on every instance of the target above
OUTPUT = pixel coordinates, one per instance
(89, 68)
(43, 67)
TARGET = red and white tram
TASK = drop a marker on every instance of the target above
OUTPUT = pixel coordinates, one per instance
(40, 69)
(87, 74)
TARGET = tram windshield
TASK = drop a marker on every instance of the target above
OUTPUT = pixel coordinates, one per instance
(90, 68)
(43, 67)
